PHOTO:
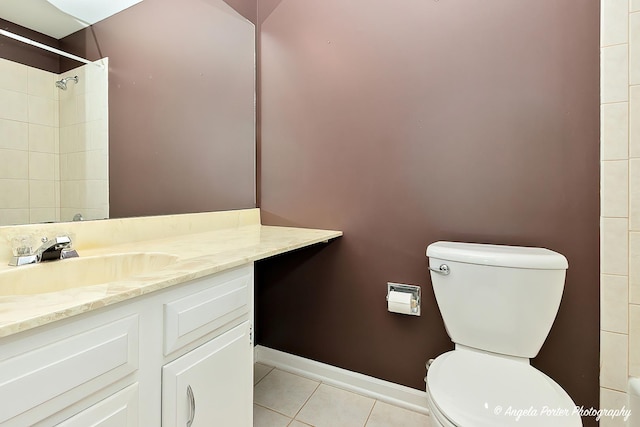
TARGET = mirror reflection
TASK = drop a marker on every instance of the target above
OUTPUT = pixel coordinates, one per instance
(54, 139)
(181, 112)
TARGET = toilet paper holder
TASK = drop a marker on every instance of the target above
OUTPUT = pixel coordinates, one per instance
(413, 306)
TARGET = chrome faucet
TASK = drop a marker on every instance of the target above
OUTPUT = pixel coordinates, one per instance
(54, 249)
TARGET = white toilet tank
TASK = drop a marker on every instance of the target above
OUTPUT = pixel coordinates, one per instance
(501, 299)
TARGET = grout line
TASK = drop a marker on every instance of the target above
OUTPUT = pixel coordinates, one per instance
(617, 333)
(629, 186)
(298, 421)
(273, 410)
(613, 274)
(302, 406)
(319, 383)
(613, 389)
(308, 398)
(614, 44)
(265, 375)
(616, 102)
(375, 402)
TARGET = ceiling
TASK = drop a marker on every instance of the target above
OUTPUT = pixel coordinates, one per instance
(59, 18)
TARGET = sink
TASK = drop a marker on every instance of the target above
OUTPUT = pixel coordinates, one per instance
(79, 272)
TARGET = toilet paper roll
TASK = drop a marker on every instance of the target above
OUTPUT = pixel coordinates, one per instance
(399, 302)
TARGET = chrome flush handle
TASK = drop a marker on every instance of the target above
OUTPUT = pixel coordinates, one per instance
(443, 269)
(192, 406)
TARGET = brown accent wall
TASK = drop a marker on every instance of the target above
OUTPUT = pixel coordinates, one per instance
(181, 105)
(22, 53)
(406, 123)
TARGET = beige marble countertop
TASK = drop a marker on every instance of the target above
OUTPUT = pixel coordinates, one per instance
(197, 255)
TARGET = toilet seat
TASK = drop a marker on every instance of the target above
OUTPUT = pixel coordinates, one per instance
(474, 389)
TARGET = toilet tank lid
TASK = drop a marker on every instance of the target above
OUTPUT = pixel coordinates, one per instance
(498, 255)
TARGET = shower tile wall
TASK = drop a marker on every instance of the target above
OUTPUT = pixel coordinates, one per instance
(620, 202)
(53, 145)
(28, 145)
(84, 145)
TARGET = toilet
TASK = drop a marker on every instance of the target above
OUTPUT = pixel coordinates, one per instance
(498, 304)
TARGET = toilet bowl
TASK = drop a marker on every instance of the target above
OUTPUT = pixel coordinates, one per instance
(498, 304)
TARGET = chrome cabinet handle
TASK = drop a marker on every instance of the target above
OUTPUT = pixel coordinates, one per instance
(443, 269)
(192, 406)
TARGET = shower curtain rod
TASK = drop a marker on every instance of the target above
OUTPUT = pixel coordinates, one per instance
(48, 48)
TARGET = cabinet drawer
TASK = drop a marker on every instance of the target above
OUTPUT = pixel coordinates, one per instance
(118, 410)
(59, 373)
(225, 298)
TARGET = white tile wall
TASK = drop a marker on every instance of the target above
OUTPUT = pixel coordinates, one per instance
(39, 215)
(14, 105)
(41, 84)
(14, 216)
(634, 194)
(84, 167)
(634, 48)
(41, 166)
(614, 246)
(14, 135)
(614, 78)
(14, 164)
(611, 13)
(14, 76)
(634, 121)
(634, 340)
(612, 399)
(32, 111)
(43, 111)
(615, 130)
(634, 268)
(42, 194)
(42, 138)
(615, 189)
(14, 193)
(28, 132)
(620, 201)
(614, 303)
(613, 360)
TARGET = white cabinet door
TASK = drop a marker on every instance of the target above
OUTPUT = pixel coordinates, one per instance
(49, 371)
(119, 410)
(211, 385)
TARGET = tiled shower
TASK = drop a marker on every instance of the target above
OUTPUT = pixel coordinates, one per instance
(53, 145)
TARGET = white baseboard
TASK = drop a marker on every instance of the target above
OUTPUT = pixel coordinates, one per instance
(385, 391)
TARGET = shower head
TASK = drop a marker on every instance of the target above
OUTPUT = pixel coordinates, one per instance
(62, 84)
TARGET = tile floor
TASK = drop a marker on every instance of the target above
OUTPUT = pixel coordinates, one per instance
(283, 399)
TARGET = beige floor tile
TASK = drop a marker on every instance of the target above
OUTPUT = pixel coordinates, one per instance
(333, 407)
(296, 423)
(385, 415)
(283, 392)
(263, 417)
(260, 371)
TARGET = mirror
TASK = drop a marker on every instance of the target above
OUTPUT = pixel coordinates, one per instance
(53, 144)
(181, 107)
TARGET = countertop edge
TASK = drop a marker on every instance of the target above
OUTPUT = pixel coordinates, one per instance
(20, 325)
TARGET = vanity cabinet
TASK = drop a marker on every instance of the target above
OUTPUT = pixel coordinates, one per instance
(211, 385)
(131, 363)
(45, 372)
(118, 410)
